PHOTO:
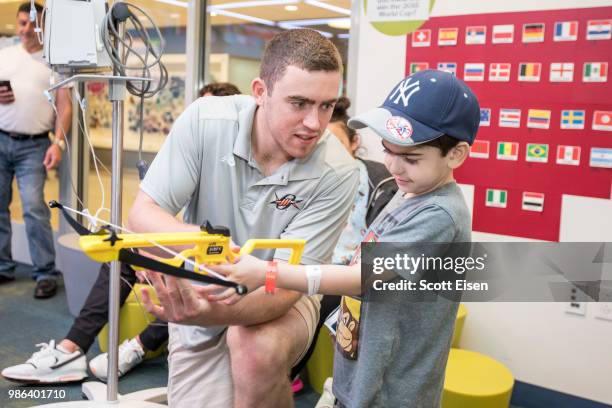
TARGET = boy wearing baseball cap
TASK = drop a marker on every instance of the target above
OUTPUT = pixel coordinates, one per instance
(392, 351)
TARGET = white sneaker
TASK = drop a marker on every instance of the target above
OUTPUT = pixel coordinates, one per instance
(130, 355)
(49, 365)
(327, 399)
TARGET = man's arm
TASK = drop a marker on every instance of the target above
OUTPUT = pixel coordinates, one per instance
(147, 216)
(63, 121)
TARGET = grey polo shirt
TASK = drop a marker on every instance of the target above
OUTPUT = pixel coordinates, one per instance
(207, 166)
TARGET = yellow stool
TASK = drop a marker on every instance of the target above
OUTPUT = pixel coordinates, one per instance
(459, 322)
(132, 321)
(320, 366)
(476, 381)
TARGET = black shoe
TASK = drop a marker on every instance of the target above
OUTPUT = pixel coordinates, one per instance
(5, 279)
(45, 288)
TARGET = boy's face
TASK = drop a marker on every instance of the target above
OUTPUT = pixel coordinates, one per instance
(298, 109)
(419, 169)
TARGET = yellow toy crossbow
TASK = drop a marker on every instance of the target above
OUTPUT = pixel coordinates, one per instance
(211, 245)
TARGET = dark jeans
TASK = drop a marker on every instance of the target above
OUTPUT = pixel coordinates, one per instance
(94, 314)
(23, 159)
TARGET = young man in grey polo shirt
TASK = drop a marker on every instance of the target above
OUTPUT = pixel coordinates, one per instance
(263, 167)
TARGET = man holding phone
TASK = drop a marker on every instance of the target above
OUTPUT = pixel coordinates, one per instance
(26, 152)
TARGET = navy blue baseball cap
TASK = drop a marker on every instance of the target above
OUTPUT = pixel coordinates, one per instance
(423, 107)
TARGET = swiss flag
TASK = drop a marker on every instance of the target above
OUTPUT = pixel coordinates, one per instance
(421, 38)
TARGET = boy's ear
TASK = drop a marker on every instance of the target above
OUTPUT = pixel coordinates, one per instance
(458, 154)
(259, 90)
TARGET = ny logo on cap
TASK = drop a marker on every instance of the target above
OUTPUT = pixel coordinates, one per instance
(405, 90)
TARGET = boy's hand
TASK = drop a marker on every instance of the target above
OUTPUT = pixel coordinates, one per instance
(247, 270)
(6, 95)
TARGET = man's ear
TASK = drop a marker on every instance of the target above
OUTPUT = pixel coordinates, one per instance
(458, 154)
(259, 90)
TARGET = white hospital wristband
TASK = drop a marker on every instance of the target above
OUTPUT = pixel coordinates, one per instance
(313, 275)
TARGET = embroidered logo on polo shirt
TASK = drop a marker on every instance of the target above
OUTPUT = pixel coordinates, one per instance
(286, 201)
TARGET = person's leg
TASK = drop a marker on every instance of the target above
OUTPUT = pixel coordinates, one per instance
(262, 355)
(94, 314)
(154, 335)
(199, 377)
(31, 175)
(7, 265)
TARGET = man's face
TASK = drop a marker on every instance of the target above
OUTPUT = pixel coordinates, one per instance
(416, 169)
(298, 109)
(25, 28)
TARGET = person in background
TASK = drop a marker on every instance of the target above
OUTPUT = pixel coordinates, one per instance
(219, 89)
(26, 152)
(70, 351)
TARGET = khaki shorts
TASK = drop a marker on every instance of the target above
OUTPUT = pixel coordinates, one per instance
(201, 376)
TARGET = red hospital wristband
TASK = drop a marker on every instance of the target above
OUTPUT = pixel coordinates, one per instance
(271, 273)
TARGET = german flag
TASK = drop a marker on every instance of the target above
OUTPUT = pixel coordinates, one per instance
(533, 32)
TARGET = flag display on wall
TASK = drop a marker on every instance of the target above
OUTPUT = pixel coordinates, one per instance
(572, 119)
(555, 75)
(476, 34)
(507, 151)
(510, 118)
(533, 202)
(529, 71)
(561, 72)
(601, 157)
(599, 30)
(533, 33)
(421, 38)
(602, 120)
(480, 149)
(503, 34)
(566, 31)
(595, 72)
(448, 36)
(537, 153)
(497, 198)
(568, 155)
(538, 118)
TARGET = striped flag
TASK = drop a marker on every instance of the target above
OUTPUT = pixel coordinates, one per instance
(499, 72)
(602, 120)
(566, 31)
(561, 71)
(568, 155)
(485, 116)
(537, 153)
(595, 72)
(473, 72)
(507, 151)
(599, 29)
(480, 149)
(538, 118)
(530, 71)
(496, 198)
(476, 35)
(421, 38)
(503, 34)
(448, 67)
(601, 157)
(533, 32)
(533, 201)
(418, 66)
(510, 118)
(572, 119)
(448, 36)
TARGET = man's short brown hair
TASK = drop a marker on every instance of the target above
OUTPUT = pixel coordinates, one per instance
(302, 48)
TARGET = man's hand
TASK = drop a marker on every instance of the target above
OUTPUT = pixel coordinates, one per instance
(180, 301)
(52, 157)
(6, 95)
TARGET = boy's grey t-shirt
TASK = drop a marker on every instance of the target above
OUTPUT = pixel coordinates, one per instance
(391, 351)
